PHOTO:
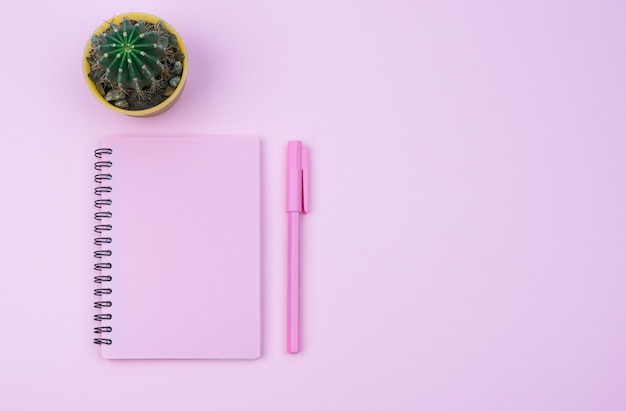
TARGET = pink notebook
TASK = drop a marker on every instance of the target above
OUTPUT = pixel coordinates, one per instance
(178, 247)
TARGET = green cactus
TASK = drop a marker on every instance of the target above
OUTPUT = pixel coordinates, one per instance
(129, 55)
(135, 64)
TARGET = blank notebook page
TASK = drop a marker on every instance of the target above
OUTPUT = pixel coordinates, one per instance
(185, 248)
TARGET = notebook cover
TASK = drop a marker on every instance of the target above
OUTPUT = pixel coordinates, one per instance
(185, 261)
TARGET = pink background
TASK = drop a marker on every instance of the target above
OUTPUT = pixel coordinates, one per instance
(466, 249)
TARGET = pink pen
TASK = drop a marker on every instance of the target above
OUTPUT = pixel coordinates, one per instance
(297, 203)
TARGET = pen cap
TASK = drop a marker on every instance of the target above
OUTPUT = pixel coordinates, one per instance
(297, 177)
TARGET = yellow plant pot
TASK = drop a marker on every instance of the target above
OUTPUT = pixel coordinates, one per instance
(169, 101)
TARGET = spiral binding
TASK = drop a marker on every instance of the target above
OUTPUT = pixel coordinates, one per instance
(103, 230)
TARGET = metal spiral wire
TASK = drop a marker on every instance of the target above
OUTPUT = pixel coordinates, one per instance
(103, 239)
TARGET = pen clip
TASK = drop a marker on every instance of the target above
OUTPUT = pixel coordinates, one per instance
(304, 161)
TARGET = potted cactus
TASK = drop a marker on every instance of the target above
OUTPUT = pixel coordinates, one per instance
(135, 64)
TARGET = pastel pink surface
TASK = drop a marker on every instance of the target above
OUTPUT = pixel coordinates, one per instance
(466, 249)
(185, 261)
